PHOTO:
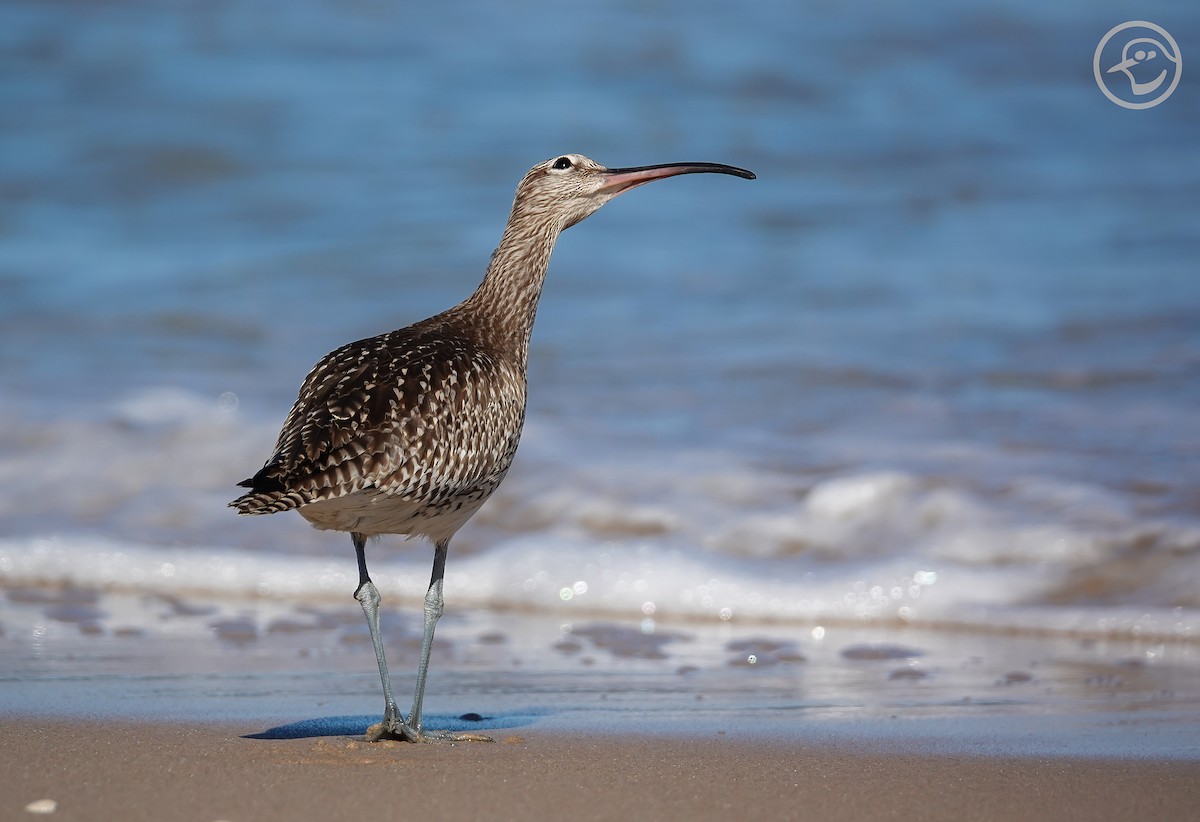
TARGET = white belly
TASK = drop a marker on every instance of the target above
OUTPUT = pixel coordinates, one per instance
(372, 513)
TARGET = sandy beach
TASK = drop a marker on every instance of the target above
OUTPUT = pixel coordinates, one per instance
(253, 711)
(134, 771)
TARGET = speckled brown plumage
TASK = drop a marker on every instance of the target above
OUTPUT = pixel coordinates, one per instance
(410, 432)
(404, 433)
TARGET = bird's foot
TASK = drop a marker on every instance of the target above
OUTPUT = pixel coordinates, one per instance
(454, 736)
(392, 728)
(396, 728)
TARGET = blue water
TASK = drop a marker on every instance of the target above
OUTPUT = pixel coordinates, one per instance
(941, 361)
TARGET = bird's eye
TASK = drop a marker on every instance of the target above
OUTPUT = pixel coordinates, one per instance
(562, 164)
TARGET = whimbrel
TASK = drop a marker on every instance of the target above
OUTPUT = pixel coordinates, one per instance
(411, 431)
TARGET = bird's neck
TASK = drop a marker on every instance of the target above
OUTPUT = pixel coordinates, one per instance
(504, 305)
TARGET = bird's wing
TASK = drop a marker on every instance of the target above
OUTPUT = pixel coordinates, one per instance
(392, 413)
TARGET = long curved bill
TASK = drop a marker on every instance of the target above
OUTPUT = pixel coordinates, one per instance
(617, 180)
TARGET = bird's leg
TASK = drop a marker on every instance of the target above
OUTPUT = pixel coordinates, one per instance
(368, 596)
(393, 725)
(433, 612)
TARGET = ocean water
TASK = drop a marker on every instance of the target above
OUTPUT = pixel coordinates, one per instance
(938, 366)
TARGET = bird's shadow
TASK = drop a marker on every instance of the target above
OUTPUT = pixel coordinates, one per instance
(357, 725)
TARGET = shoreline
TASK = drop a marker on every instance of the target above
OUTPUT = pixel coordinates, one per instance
(122, 707)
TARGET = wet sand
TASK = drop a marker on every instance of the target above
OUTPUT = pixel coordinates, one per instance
(129, 707)
(132, 771)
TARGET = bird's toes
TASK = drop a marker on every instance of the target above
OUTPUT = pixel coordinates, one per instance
(450, 736)
(391, 729)
(400, 731)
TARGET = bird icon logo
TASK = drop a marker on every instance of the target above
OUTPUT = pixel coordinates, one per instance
(1143, 56)
(1149, 59)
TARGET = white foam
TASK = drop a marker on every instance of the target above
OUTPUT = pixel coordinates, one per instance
(137, 500)
(579, 577)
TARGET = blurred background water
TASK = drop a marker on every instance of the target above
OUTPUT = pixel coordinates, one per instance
(939, 364)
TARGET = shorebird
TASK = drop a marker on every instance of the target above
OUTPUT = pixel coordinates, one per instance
(411, 431)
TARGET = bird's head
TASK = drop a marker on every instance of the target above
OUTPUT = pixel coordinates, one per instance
(569, 187)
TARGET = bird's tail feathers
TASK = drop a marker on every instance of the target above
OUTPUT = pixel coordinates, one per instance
(266, 502)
